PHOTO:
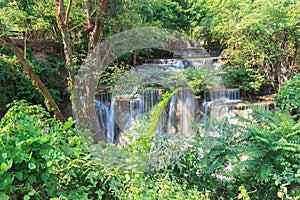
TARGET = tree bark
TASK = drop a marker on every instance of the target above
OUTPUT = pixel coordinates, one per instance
(62, 22)
(95, 19)
(96, 36)
(95, 23)
(36, 81)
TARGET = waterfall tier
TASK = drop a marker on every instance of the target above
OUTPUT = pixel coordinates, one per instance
(118, 113)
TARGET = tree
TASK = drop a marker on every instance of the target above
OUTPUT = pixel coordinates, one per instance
(262, 35)
(49, 101)
(102, 19)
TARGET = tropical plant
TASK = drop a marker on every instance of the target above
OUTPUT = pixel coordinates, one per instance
(271, 147)
(287, 97)
(43, 158)
(249, 80)
(262, 35)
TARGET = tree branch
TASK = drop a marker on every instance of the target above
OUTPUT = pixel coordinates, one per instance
(97, 36)
(68, 12)
(88, 11)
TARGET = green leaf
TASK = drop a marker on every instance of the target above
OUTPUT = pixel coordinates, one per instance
(44, 177)
(68, 124)
(4, 155)
(10, 162)
(26, 197)
(19, 176)
(8, 180)
(49, 163)
(4, 167)
(4, 196)
(32, 165)
(44, 139)
(280, 195)
(31, 179)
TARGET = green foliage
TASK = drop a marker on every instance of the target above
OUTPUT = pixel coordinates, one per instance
(7, 81)
(242, 160)
(26, 16)
(272, 149)
(196, 79)
(288, 97)
(42, 158)
(249, 80)
(262, 35)
(156, 113)
(14, 85)
(264, 153)
(160, 188)
(149, 78)
(166, 150)
(167, 14)
(112, 74)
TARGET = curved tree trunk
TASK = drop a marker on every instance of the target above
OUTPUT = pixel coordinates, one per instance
(36, 81)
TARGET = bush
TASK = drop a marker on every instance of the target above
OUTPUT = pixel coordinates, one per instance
(288, 97)
(145, 187)
(244, 160)
(15, 85)
(249, 80)
(264, 153)
(42, 158)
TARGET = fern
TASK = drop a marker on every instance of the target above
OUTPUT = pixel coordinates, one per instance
(263, 151)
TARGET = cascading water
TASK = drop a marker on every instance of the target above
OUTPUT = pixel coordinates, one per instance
(179, 115)
(105, 115)
(171, 113)
(118, 113)
(217, 102)
(130, 108)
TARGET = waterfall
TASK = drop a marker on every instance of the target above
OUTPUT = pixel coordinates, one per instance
(105, 115)
(228, 103)
(118, 113)
(217, 103)
(171, 114)
(179, 115)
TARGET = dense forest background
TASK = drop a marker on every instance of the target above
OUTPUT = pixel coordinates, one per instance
(259, 39)
(44, 43)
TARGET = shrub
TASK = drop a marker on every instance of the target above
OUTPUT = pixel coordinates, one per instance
(42, 158)
(264, 153)
(288, 97)
(249, 80)
(15, 85)
(145, 187)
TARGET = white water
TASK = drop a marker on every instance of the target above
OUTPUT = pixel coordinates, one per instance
(105, 115)
(179, 115)
(216, 103)
(117, 114)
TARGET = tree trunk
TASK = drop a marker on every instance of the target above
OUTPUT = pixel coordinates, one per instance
(62, 22)
(95, 23)
(96, 36)
(49, 101)
(25, 43)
